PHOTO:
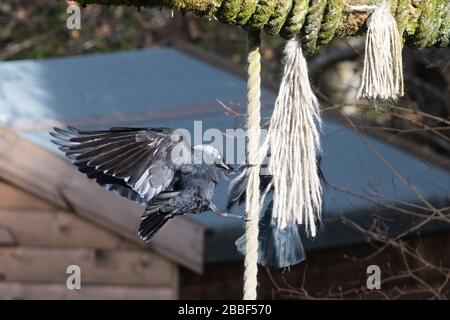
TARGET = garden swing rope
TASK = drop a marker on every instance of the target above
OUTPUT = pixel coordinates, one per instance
(252, 200)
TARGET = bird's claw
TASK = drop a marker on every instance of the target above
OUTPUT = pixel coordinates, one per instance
(222, 213)
(229, 215)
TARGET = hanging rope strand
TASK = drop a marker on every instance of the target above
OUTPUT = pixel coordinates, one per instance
(294, 143)
(382, 77)
(252, 199)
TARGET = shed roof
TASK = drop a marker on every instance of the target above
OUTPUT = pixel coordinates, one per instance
(165, 87)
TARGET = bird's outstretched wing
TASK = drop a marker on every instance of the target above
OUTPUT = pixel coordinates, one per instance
(136, 162)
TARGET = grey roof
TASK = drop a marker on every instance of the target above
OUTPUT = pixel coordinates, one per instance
(164, 87)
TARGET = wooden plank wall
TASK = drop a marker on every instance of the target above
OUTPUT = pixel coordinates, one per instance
(55, 180)
(38, 241)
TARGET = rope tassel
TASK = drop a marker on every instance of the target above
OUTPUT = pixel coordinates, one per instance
(383, 67)
(293, 139)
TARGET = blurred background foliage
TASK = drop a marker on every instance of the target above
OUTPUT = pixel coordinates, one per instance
(37, 29)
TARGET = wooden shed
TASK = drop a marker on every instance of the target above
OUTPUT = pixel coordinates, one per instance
(51, 217)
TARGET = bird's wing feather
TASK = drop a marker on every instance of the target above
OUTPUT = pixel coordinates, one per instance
(137, 158)
(165, 206)
(276, 248)
(238, 185)
(112, 184)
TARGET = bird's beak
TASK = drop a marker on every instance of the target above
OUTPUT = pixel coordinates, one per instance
(225, 166)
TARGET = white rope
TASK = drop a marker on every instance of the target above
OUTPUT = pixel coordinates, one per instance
(252, 193)
(383, 67)
(294, 143)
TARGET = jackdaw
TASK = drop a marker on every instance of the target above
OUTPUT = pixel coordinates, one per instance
(155, 167)
(277, 248)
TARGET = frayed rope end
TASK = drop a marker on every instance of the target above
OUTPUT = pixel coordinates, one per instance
(293, 139)
(382, 77)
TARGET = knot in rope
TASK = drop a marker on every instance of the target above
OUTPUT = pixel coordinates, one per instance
(423, 23)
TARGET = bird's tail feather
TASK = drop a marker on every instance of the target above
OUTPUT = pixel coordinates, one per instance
(156, 214)
(276, 248)
(237, 187)
(151, 222)
(150, 225)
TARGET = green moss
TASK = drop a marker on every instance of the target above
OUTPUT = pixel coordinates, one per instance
(228, 11)
(427, 25)
(263, 12)
(331, 21)
(199, 7)
(424, 22)
(444, 31)
(248, 7)
(402, 15)
(279, 17)
(313, 24)
(296, 19)
(394, 5)
(439, 15)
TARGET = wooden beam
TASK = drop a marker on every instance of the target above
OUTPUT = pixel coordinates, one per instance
(54, 179)
(58, 229)
(12, 197)
(112, 267)
(6, 237)
(49, 291)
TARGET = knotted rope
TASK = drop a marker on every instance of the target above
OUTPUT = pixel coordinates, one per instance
(252, 199)
(429, 23)
(422, 23)
(426, 22)
(382, 77)
(331, 21)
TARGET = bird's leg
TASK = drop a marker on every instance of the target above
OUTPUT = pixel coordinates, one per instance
(222, 213)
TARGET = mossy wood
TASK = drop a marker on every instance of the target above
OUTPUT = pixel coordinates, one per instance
(422, 23)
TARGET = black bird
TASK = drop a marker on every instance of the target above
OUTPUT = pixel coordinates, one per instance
(276, 248)
(155, 167)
